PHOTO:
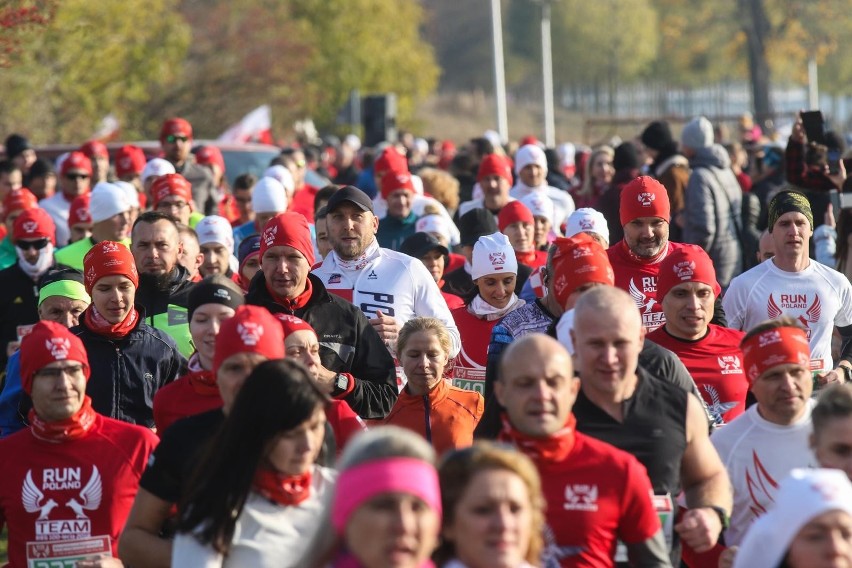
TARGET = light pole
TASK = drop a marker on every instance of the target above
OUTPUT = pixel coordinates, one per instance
(547, 74)
(499, 73)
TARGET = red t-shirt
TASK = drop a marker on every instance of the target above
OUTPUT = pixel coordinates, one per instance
(595, 497)
(344, 422)
(639, 278)
(180, 399)
(716, 364)
(70, 499)
(456, 261)
(469, 364)
(303, 202)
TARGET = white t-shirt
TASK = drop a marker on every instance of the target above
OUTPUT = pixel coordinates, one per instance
(267, 535)
(758, 454)
(818, 297)
(59, 210)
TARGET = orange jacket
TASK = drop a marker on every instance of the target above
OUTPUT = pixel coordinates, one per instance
(447, 422)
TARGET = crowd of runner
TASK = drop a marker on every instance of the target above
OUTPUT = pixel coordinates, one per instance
(491, 355)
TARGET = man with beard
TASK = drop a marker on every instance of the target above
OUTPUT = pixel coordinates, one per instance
(163, 289)
(176, 140)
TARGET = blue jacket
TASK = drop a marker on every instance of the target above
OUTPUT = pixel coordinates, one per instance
(11, 419)
(126, 373)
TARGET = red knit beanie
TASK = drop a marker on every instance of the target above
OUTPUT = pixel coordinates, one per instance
(209, 155)
(108, 258)
(390, 161)
(394, 180)
(288, 229)
(175, 127)
(19, 199)
(644, 197)
(95, 149)
(495, 165)
(292, 324)
(252, 330)
(34, 223)
(579, 260)
(514, 212)
(129, 160)
(687, 264)
(171, 184)
(47, 343)
(76, 161)
(79, 212)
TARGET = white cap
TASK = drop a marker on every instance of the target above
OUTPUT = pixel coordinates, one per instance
(433, 223)
(283, 176)
(493, 254)
(421, 145)
(130, 193)
(540, 205)
(157, 167)
(493, 137)
(107, 200)
(584, 220)
(567, 154)
(804, 495)
(215, 229)
(353, 142)
(269, 196)
(530, 154)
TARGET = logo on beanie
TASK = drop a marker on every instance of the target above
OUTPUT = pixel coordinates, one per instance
(113, 262)
(58, 347)
(109, 246)
(90, 275)
(30, 226)
(587, 224)
(125, 162)
(250, 333)
(270, 234)
(580, 252)
(769, 337)
(223, 294)
(646, 199)
(82, 215)
(497, 259)
(685, 269)
(560, 283)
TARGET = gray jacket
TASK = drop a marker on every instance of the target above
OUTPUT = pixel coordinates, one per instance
(712, 195)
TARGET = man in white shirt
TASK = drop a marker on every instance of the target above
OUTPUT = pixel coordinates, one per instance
(388, 286)
(792, 284)
(531, 167)
(760, 447)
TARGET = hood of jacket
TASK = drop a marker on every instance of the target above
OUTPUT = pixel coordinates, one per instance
(715, 156)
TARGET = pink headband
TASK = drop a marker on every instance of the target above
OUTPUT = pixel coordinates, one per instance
(393, 475)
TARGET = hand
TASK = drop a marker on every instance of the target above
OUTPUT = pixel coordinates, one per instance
(798, 133)
(839, 178)
(833, 376)
(828, 218)
(11, 347)
(386, 327)
(102, 562)
(325, 379)
(700, 528)
(726, 559)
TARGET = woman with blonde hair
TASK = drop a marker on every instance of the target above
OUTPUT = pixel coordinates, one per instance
(493, 509)
(597, 177)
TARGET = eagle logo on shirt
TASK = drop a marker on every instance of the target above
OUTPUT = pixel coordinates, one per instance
(90, 496)
(250, 332)
(643, 302)
(788, 301)
(729, 364)
(33, 499)
(715, 406)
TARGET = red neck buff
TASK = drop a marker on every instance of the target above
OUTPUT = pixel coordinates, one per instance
(60, 431)
(98, 323)
(554, 448)
(293, 304)
(642, 259)
(282, 489)
(202, 381)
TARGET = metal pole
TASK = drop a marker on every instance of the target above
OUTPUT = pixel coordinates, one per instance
(499, 72)
(813, 84)
(547, 76)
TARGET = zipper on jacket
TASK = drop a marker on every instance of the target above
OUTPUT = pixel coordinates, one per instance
(428, 417)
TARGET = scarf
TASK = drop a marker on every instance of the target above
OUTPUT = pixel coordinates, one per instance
(643, 260)
(483, 310)
(42, 265)
(346, 560)
(71, 428)
(282, 489)
(527, 258)
(98, 323)
(202, 381)
(555, 448)
(293, 304)
(358, 263)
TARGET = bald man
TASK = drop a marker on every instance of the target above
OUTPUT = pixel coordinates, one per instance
(765, 247)
(598, 494)
(662, 425)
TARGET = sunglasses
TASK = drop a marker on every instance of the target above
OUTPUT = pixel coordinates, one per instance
(77, 176)
(171, 138)
(37, 245)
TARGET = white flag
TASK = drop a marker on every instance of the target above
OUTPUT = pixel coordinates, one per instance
(256, 125)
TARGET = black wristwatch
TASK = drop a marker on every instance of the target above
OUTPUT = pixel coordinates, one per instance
(341, 383)
(723, 515)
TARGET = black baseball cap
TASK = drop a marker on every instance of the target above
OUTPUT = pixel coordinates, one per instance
(419, 245)
(476, 223)
(350, 194)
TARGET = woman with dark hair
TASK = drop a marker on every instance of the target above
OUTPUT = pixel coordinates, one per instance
(255, 498)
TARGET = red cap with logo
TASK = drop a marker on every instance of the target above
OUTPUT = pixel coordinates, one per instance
(18, 200)
(288, 229)
(171, 184)
(393, 181)
(579, 260)
(95, 149)
(175, 127)
(129, 160)
(210, 155)
(495, 165)
(47, 343)
(644, 197)
(687, 264)
(34, 223)
(108, 258)
(76, 161)
(514, 212)
(79, 212)
(291, 324)
(390, 161)
(252, 330)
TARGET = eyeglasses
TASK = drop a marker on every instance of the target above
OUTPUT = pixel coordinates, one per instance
(168, 205)
(28, 245)
(55, 373)
(171, 138)
(75, 177)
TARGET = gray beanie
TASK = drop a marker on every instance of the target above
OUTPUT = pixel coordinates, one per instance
(698, 133)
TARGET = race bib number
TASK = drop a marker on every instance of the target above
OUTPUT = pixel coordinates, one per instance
(66, 553)
(469, 379)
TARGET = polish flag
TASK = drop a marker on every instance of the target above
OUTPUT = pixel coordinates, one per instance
(255, 126)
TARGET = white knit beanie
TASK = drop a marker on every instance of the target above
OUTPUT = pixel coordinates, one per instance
(530, 154)
(157, 167)
(130, 193)
(493, 254)
(433, 223)
(215, 229)
(584, 220)
(540, 205)
(283, 176)
(269, 196)
(107, 200)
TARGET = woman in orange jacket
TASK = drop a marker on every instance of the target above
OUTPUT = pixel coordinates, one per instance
(443, 414)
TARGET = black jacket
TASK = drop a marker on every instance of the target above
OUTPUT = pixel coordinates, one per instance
(348, 344)
(126, 373)
(155, 301)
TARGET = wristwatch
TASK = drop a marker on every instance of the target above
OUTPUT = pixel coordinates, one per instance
(723, 515)
(341, 383)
